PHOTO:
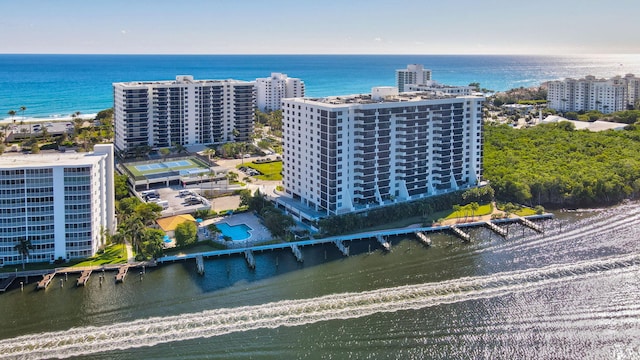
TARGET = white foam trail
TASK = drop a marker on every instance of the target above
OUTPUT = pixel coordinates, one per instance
(152, 331)
(592, 227)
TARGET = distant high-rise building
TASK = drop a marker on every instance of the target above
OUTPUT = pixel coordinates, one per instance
(270, 91)
(185, 111)
(62, 203)
(350, 153)
(413, 74)
(604, 95)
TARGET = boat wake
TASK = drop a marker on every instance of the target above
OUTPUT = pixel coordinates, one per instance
(211, 323)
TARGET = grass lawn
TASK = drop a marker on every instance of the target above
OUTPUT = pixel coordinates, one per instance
(270, 171)
(525, 212)
(482, 210)
(114, 254)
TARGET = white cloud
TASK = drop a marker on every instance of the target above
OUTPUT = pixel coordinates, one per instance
(123, 32)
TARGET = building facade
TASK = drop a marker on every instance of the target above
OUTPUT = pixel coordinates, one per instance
(604, 95)
(345, 154)
(62, 203)
(185, 111)
(270, 91)
(414, 74)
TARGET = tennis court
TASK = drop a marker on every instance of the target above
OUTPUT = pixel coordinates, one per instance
(163, 165)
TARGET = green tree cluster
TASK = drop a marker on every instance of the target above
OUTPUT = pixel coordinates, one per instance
(340, 224)
(555, 165)
(186, 233)
(274, 220)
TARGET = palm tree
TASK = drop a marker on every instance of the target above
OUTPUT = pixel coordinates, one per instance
(12, 113)
(179, 148)
(456, 209)
(22, 110)
(210, 153)
(474, 207)
(23, 246)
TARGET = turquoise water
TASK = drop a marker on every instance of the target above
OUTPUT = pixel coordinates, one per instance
(56, 85)
(235, 232)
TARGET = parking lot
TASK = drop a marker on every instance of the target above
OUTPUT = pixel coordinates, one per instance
(176, 200)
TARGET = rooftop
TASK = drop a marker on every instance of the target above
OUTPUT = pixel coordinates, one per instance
(20, 160)
(368, 99)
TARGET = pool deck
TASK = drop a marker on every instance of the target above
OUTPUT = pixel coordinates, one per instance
(258, 232)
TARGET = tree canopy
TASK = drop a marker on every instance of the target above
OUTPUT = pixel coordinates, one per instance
(555, 165)
(186, 233)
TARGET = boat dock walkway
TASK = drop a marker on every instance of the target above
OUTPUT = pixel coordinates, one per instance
(297, 253)
(459, 233)
(423, 238)
(84, 277)
(200, 264)
(528, 223)
(343, 249)
(251, 261)
(385, 244)
(122, 272)
(6, 282)
(497, 229)
(46, 280)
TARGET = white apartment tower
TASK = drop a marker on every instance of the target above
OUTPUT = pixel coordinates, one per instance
(185, 111)
(62, 203)
(270, 91)
(413, 74)
(589, 93)
(349, 153)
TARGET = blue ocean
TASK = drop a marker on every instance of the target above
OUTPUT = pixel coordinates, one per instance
(58, 85)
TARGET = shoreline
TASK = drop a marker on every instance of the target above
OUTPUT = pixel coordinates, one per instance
(50, 118)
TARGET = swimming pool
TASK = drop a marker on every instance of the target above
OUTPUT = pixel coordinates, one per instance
(235, 232)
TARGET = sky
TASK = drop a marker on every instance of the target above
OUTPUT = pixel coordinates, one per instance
(320, 27)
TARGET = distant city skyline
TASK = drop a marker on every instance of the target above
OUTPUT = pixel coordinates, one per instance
(319, 27)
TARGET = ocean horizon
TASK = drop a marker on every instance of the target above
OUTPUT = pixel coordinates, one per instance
(53, 86)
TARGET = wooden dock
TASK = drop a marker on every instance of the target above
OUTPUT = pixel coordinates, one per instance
(297, 253)
(6, 282)
(497, 229)
(385, 244)
(343, 249)
(251, 261)
(528, 223)
(122, 272)
(46, 280)
(84, 277)
(200, 264)
(459, 233)
(423, 238)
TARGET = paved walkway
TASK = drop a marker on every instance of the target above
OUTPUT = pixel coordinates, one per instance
(130, 257)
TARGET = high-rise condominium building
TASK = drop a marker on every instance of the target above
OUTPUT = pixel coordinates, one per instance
(413, 74)
(62, 203)
(605, 95)
(270, 91)
(185, 111)
(349, 153)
